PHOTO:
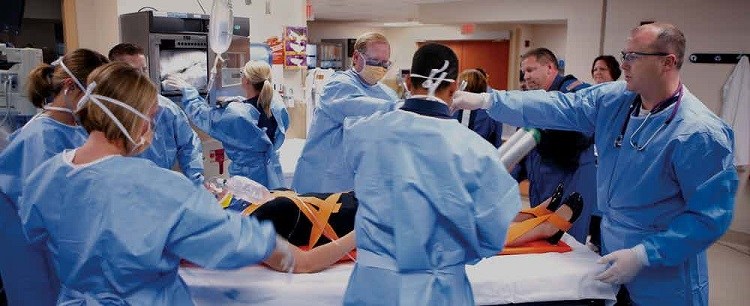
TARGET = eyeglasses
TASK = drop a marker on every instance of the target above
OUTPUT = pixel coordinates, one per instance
(373, 62)
(632, 56)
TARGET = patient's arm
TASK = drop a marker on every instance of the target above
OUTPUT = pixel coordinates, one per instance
(316, 259)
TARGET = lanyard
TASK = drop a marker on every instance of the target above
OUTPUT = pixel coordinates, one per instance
(676, 99)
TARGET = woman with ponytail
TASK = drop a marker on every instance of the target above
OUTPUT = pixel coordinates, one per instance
(251, 131)
(56, 90)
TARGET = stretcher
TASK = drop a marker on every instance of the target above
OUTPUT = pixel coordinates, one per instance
(499, 280)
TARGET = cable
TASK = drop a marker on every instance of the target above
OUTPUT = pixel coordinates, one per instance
(201, 5)
(148, 7)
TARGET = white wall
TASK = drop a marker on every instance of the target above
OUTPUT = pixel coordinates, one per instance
(553, 37)
(583, 19)
(318, 30)
(97, 24)
(719, 26)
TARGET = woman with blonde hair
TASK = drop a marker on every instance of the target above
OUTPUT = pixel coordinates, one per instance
(119, 225)
(54, 89)
(251, 131)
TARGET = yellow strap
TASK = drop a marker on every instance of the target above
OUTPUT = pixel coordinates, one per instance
(226, 200)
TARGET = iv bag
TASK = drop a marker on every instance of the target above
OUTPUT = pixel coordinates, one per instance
(220, 26)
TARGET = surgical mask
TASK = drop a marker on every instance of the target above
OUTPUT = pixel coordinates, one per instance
(432, 81)
(143, 142)
(373, 72)
(70, 105)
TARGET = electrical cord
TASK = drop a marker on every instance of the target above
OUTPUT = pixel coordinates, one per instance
(148, 7)
(201, 5)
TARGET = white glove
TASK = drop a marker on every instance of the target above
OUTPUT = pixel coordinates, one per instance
(470, 101)
(287, 256)
(176, 82)
(624, 265)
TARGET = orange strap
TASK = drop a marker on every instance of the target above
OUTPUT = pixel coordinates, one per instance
(316, 210)
(518, 229)
(537, 211)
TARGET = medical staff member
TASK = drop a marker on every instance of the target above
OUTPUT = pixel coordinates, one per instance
(55, 89)
(433, 195)
(478, 120)
(605, 68)
(355, 92)
(117, 226)
(251, 131)
(666, 179)
(562, 157)
(174, 139)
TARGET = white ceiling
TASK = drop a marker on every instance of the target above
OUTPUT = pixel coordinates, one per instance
(368, 10)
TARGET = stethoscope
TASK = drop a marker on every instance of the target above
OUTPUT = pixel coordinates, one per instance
(636, 105)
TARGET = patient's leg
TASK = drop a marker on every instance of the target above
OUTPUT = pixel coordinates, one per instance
(542, 231)
(318, 258)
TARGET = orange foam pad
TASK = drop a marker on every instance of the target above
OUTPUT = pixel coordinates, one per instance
(537, 247)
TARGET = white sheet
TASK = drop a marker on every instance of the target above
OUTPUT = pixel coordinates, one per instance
(496, 280)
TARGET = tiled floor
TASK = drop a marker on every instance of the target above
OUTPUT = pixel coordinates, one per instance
(729, 274)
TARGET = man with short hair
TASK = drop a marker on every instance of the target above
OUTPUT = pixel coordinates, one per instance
(433, 195)
(561, 157)
(666, 179)
(355, 92)
(174, 138)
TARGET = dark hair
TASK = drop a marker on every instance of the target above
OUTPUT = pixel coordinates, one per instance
(124, 49)
(671, 40)
(46, 81)
(612, 65)
(484, 73)
(476, 82)
(543, 55)
(433, 56)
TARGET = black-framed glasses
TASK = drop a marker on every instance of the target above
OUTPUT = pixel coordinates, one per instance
(631, 56)
(373, 62)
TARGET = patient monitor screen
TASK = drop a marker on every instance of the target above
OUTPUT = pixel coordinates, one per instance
(190, 65)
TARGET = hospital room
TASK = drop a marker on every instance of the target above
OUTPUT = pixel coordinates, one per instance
(504, 152)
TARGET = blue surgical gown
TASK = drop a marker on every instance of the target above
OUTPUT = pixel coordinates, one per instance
(252, 153)
(320, 167)
(675, 197)
(25, 269)
(118, 227)
(174, 139)
(433, 197)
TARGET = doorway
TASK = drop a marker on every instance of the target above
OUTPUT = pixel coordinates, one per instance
(490, 55)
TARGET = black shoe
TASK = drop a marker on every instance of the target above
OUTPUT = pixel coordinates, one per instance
(575, 202)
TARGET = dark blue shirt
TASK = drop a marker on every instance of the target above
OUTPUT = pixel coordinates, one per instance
(269, 123)
(427, 108)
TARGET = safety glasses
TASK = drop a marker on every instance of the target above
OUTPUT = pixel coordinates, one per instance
(373, 62)
(632, 56)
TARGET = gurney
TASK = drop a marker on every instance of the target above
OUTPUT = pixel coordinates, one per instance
(507, 279)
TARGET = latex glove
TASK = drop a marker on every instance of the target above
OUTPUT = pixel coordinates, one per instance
(470, 101)
(176, 82)
(287, 256)
(624, 265)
